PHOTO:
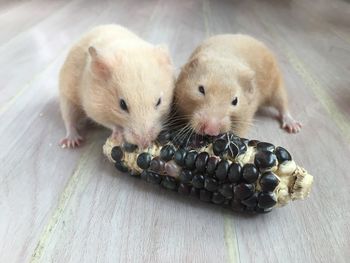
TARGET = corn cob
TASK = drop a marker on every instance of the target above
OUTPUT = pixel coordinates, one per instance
(237, 173)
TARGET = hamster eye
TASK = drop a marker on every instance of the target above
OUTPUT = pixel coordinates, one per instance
(159, 102)
(201, 89)
(235, 101)
(123, 105)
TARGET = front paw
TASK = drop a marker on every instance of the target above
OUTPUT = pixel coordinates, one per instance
(290, 125)
(71, 141)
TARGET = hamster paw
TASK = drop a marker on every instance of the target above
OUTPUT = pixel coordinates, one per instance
(71, 141)
(289, 124)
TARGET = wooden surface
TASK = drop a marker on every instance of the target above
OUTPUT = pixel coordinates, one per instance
(71, 205)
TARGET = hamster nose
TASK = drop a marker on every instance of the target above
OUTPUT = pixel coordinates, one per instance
(211, 128)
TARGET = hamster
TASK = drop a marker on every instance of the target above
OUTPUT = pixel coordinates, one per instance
(226, 80)
(120, 82)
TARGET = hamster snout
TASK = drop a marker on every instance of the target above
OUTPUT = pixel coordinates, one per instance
(208, 124)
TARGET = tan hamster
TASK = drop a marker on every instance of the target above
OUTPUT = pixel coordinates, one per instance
(227, 78)
(119, 81)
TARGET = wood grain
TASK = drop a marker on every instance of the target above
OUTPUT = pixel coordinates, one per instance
(72, 206)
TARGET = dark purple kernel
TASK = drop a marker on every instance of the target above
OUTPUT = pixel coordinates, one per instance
(265, 159)
(190, 160)
(167, 152)
(211, 184)
(186, 176)
(250, 173)
(243, 191)
(267, 200)
(222, 169)
(226, 190)
(212, 164)
(117, 153)
(201, 161)
(251, 201)
(198, 181)
(169, 182)
(235, 173)
(268, 181)
(265, 146)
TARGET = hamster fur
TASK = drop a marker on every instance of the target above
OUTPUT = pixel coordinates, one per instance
(119, 81)
(227, 78)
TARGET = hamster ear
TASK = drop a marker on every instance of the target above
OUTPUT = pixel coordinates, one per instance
(99, 65)
(247, 79)
(163, 55)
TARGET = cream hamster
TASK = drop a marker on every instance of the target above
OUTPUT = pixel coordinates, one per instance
(119, 81)
(227, 78)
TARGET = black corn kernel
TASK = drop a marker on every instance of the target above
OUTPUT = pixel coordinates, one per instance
(157, 165)
(253, 143)
(218, 198)
(167, 152)
(265, 159)
(282, 155)
(184, 189)
(243, 191)
(212, 164)
(121, 166)
(186, 176)
(198, 181)
(211, 184)
(180, 156)
(201, 161)
(269, 182)
(267, 200)
(219, 146)
(205, 195)
(235, 172)
(164, 137)
(222, 169)
(190, 160)
(265, 146)
(128, 147)
(117, 153)
(226, 190)
(169, 183)
(143, 160)
(251, 201)
(250, 173)
(154, 178)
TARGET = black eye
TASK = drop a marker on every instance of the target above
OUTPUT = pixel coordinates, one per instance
(123, 105)
(159, 102)
(201, 89)
(235, 101)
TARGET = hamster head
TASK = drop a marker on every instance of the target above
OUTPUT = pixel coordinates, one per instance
(214, 94)
(132, 91)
